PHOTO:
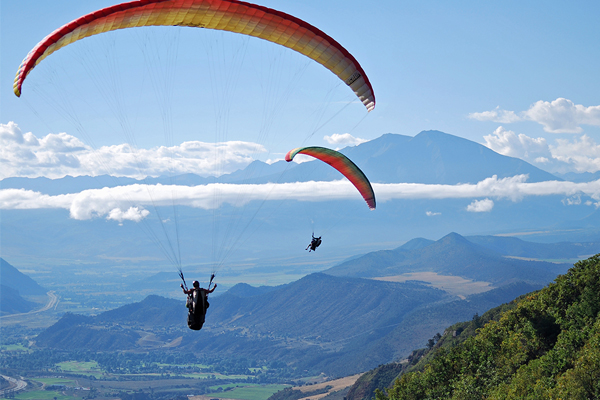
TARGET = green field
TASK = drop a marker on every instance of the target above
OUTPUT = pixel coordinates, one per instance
(13, 347)
(57, 381)
(81, 367)
(42, 395)
(253, 392)
(198, 375)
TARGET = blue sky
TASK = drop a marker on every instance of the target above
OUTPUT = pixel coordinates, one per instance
(519, 77)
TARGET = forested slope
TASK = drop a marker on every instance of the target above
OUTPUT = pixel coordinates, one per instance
(546, 345)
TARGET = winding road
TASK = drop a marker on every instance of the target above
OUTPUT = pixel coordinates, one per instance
(52, 303)
(15, 385)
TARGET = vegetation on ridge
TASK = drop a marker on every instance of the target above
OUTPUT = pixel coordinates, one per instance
(547, 346)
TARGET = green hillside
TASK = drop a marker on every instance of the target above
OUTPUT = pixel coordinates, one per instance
(545, 345)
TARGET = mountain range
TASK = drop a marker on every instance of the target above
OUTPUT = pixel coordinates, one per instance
(337, 322)
(320, 323)
(275, 230)
(451, 255)
(429, 157)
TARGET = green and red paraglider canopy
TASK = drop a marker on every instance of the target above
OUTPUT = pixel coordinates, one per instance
(343, 164)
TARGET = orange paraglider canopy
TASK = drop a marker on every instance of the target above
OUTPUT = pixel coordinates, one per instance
(228, 15)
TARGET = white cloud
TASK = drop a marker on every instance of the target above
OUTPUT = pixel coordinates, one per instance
(572, 201)
(134, 214)
(562, 115)
(514, 188)
(432, 214)
(57, 155)
(484, 205)
(558, 116)
(343, 139)
(129, 202)
(510, 144)
(496, 115)
(583, 153)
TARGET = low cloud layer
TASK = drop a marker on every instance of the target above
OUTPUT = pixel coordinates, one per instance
(130, 202)
(57, 155)
(558, 116)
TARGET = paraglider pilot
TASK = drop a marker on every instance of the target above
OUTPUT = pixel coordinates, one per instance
(314, 243)
(197, 303)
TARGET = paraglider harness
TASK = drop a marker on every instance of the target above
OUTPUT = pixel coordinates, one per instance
(197, 304)
(314, 243)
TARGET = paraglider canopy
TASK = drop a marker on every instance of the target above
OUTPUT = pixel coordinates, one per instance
(228, 15)
(343, 164)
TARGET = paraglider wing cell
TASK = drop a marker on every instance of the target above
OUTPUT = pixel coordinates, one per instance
(343, 164)
(228, 15)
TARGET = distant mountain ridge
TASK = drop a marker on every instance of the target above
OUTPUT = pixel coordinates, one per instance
(278, 226)
(11, 302)
(13, 278)
(451, 255)
(14, 285)
(245, 290)
(515, 247)
(320, 323)
(429, 157)
(436, 157)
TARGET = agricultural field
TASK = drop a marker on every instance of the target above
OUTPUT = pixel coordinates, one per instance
(90, 368)
(50, 374)
(253, 392)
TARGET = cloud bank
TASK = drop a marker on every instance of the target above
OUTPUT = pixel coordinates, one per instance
(57, 155)
(558, 116)
(129, 202)
(582, 154)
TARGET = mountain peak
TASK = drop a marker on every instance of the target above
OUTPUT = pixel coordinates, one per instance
(434, 133)
(453, 243)
(454, 238)
(436, 157)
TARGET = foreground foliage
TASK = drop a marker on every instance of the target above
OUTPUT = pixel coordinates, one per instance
(547, 347)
